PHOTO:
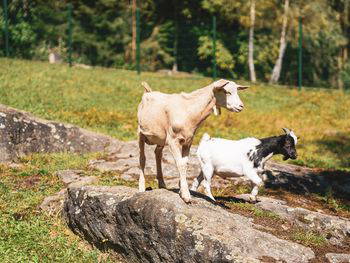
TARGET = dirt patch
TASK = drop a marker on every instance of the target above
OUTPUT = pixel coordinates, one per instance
(271, 223)
(28, 181)
(313, 202)
(327, 205)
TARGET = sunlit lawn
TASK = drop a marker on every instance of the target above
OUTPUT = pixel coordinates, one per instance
(105, 100)
(26, 233)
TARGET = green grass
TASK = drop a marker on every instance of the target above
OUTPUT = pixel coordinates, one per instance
(105, 100)
(26, 233)
(256, 211)
(309, 238)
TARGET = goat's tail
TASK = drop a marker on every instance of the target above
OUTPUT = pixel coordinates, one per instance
(206, 137)
(146, 86)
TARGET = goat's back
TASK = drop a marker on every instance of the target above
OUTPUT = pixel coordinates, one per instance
(226, 151)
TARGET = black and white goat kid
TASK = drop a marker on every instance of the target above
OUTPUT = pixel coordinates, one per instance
(246, 157)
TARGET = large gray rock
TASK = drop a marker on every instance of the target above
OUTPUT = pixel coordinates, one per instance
(157, 226)
(71, 178)
(21, 133)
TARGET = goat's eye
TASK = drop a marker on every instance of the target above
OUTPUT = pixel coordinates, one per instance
(229, 93)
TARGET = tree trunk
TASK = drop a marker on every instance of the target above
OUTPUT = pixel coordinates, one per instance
(176, 36)
(276, 72)
(343, 56)
(251, 42)
(133, 40)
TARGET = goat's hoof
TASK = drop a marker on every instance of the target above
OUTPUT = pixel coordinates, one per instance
(252, 199)
(162, 186)
(187, 200)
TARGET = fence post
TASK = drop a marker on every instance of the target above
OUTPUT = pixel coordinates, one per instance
(300, 50)
(6, 30)
(138, 40)
(214, 47)
(70, 32)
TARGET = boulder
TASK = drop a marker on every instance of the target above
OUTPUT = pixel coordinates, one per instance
(157, 226)
(71, 178)
(21, 134)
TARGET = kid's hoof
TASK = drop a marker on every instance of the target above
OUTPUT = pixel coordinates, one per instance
(252, 199)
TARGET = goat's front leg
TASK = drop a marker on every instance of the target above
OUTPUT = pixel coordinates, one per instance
(142, 159)
(181, 159)
(256, 180)
(159, 153)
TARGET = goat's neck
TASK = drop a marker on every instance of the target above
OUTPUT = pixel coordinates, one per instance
(201, 105)
(270, 145)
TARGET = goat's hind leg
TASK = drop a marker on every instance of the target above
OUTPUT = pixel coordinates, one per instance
(197, 181)
(142, 159)
(208, 172)
(159, 153)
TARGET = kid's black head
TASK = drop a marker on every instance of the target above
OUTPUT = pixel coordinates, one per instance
(288, 146)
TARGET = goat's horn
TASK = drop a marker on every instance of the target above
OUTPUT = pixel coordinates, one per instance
(286, 130)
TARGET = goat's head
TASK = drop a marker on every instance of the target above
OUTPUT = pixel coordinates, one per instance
(226, 94)
(289, 143)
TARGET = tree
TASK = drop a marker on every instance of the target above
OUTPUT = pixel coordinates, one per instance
(278, 65)
(251, 42)
(133, 41)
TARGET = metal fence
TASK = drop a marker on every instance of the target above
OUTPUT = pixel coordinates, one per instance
(180, 46)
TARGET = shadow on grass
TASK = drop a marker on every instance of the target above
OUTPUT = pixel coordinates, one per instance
(338, 144)
(323, 183)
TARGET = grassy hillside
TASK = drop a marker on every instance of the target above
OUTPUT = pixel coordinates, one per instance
(28, 234)
(105, 100)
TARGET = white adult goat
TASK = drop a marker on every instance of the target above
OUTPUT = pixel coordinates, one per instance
(172, 119)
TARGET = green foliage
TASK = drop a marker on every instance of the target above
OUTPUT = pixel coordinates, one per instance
(224, 58)
(102, 35)
(345, 75)
(155, 51)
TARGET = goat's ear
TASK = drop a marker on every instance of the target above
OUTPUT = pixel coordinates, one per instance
(219, 84)
(239, 87)
(286, 130)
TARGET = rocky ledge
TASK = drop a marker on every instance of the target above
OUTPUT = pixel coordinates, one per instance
(157, 226)
(21, 133)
